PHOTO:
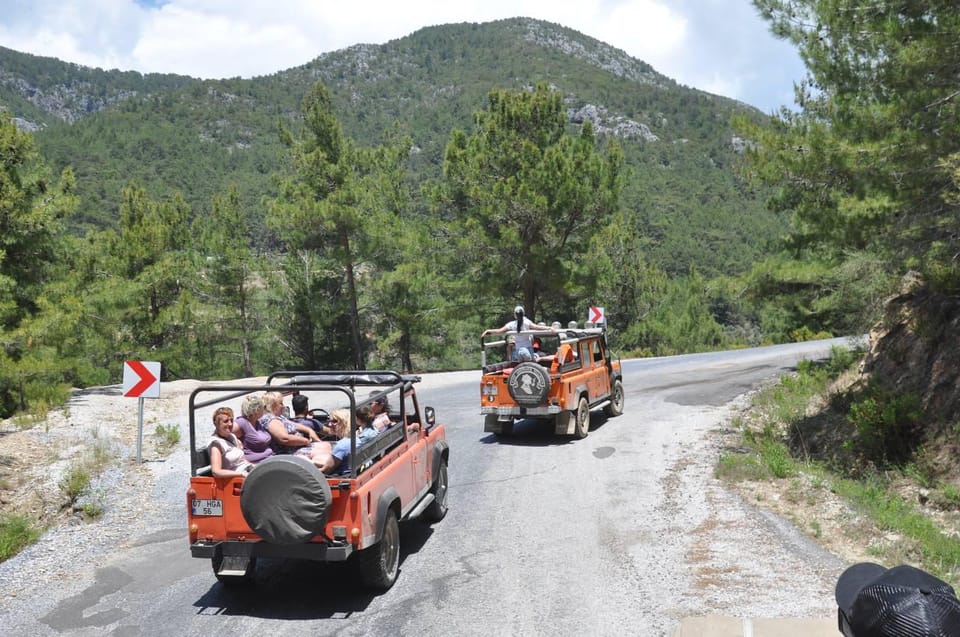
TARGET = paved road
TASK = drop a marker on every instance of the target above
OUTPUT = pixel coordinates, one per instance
(623, 533)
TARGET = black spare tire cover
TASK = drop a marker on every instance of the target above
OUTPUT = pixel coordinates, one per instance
(285, 500)
(529, 384)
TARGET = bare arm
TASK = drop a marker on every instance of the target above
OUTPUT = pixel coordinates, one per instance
(216, 464)
(308, 432)
(279, 433)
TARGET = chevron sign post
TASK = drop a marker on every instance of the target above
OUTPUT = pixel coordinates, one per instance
(141, 380)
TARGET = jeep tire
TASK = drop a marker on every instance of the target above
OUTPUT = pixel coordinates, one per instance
(615, 406)
(582, 415)
(379, 563)
(438, 508)
(285, 500)
(529, 384)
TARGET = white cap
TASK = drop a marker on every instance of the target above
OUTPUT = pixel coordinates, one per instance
(518, 309)
(556, 325)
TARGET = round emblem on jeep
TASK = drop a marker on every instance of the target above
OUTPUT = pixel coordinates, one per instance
(529, 384)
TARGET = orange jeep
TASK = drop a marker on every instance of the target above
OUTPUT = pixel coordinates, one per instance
(572, 372)
(286, 508)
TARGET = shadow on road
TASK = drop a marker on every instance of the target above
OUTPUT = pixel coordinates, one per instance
(300, 589)
(535, 432)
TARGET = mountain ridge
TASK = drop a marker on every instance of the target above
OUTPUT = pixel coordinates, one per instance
(194, 136)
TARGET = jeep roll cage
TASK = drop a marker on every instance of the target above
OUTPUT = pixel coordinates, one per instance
(344, 382)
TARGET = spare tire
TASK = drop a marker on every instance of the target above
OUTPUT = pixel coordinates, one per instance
(529, 384)
(285, 500)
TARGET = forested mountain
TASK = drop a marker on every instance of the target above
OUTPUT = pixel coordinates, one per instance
(175, 134)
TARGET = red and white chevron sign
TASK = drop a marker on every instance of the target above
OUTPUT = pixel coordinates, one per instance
(596, 315)
(141, 380)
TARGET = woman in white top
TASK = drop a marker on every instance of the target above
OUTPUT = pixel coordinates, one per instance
(226, 451)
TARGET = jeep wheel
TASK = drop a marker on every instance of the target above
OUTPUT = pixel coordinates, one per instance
(379, 563)
(583, 419)
(438, 508)
(240, 574)
(615, 407)
(285, 500)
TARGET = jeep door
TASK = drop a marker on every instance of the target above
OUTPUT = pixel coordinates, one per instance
(417, 441)
(598, 381)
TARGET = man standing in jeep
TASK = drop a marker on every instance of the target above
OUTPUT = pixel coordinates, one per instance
(523, 344)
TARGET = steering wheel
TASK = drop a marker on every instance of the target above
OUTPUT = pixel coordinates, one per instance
(319, 414)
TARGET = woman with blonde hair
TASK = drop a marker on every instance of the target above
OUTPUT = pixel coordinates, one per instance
(290, 436)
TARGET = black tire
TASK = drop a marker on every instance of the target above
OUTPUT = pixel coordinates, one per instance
(380, 563)
(529, 384)
(615, 406)
(285, 500)
(582, 415)
(245, 579)
(438, 508)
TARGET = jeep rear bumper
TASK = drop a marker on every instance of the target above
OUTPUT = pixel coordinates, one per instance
(315, 551)
(506, 413)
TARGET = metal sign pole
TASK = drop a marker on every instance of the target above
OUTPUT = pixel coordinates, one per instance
(139, 427)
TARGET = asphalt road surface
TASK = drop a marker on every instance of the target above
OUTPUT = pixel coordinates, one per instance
(625, 532)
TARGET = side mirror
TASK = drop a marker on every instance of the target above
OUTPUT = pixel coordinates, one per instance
(430, 414)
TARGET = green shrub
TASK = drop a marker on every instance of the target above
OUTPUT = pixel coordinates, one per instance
(75, 482)
(886, 422)
(16, 533)
(167, 435)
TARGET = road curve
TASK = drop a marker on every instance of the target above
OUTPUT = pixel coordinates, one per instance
(623, 532)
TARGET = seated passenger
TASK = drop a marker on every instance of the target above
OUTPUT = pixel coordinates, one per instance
(338, 460)
(301, 414)
(565, 354)
(256, 439)
(380, 409)
(290, 437)
(226, 452)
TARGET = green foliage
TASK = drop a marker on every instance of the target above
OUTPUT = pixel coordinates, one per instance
(75, 482)
(520, 187)
(16, 533)
(938, 552)
(32, 209)
(865, 166)
(886, 422)
(167, 435)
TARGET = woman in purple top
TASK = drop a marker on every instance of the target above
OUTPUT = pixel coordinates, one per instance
(256, 439)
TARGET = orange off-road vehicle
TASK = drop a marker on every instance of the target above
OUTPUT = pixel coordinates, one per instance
(286, 508)
(572, 373)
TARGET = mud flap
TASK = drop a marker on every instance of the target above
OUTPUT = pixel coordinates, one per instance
(565, 423)
(491, 424)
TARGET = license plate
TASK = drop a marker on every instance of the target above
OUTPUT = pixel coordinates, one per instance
(208, 507)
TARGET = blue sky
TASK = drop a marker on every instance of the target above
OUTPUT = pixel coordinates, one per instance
(719, 46)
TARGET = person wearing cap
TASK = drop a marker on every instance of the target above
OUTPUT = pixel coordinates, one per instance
(903, 601)
(523, 344)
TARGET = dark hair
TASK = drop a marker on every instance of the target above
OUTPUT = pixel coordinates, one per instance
(364, 415)
(299, 402)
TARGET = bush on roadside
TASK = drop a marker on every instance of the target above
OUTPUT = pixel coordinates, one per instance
(16, 533)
